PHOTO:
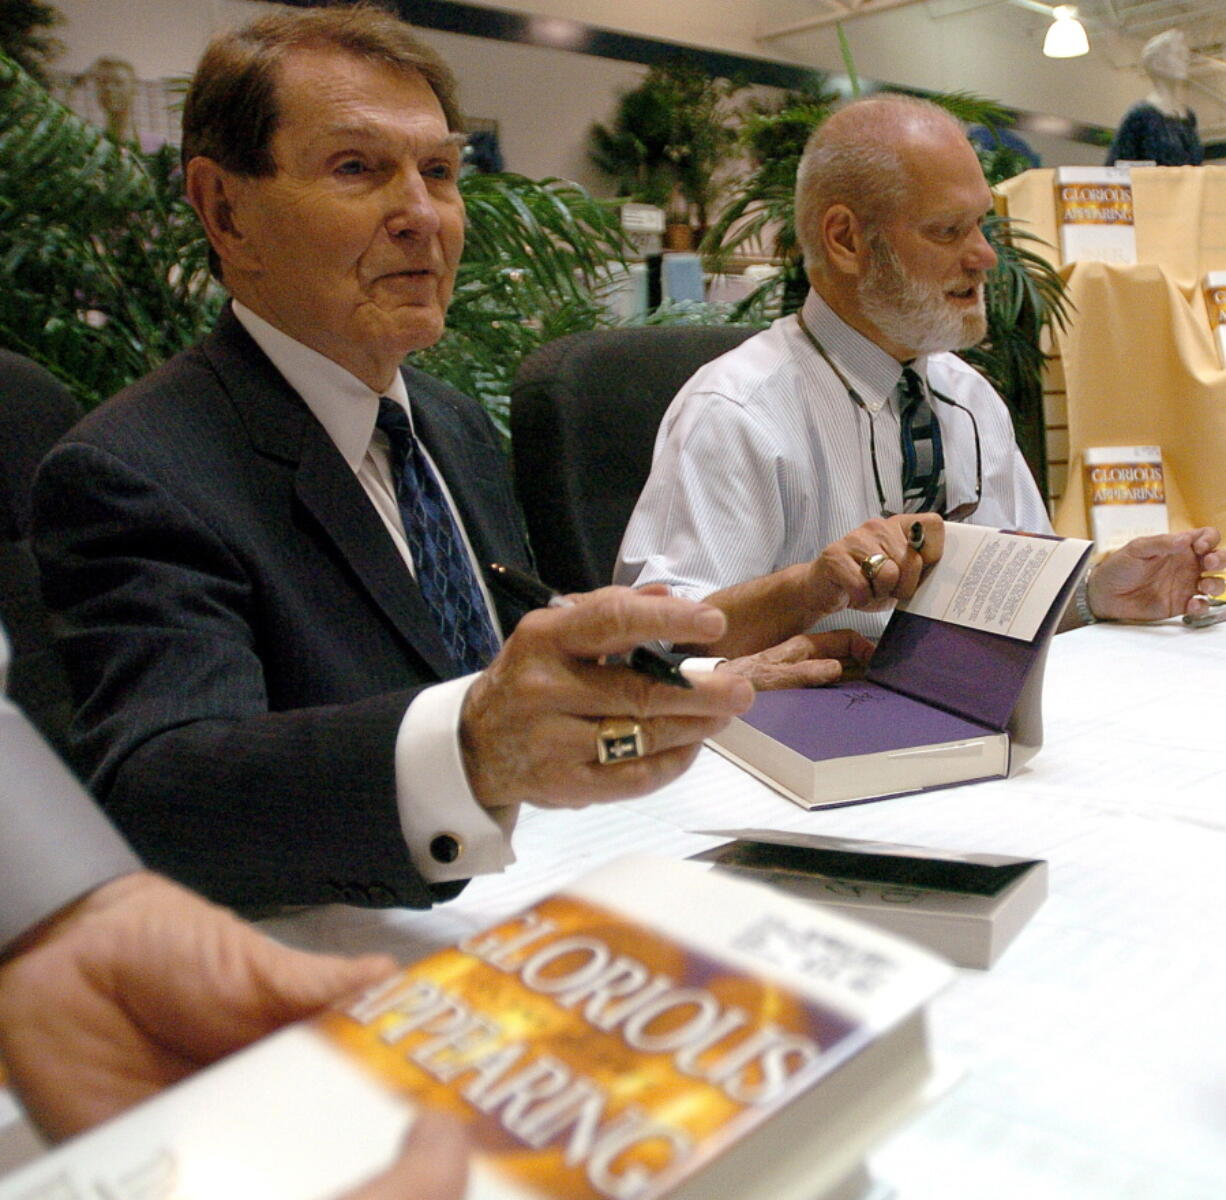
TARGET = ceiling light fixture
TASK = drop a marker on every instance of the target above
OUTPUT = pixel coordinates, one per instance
(1066, 36)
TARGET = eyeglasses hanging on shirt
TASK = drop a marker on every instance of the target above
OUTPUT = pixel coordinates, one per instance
(923, 478)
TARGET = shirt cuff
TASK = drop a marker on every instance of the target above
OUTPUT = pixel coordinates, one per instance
(450, 835)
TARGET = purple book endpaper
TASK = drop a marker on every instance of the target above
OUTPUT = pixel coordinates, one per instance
(976, 674)
(850, 719)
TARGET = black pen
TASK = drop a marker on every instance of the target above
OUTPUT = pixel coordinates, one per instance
(661, 665)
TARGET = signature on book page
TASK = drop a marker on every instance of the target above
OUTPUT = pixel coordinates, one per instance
(861, 694)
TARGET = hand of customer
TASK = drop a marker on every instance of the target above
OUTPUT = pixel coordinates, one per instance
(139, 984)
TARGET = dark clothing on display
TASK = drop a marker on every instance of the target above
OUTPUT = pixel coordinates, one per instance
(1147, 133)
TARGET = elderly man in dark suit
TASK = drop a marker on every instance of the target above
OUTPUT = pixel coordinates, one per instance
(267, 556)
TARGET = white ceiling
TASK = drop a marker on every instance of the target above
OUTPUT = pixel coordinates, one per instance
(1117, 30)
(1203, 21)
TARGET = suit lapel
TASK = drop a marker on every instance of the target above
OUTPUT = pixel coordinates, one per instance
(280, 425)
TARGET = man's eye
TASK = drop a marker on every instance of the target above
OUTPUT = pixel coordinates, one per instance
(440, 170)
(351, 166)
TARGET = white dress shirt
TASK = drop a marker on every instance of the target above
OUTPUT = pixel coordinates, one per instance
(433, 794)
(763, 460)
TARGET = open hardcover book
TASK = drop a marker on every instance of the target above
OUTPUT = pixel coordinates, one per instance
(953, 693)
(656, 1029)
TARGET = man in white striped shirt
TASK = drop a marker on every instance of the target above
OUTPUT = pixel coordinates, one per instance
(778, 448)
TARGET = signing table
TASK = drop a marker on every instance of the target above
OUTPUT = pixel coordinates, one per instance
(1093, 1055)
(1090, 1062)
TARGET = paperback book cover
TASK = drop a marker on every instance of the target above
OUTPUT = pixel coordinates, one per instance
(654, 1030)
(953, 691)
(1094, 213)
(1125, 494)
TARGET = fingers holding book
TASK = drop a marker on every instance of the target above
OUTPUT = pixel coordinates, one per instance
(883, 560)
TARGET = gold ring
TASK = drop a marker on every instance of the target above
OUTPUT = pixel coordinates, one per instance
(871, 565)
(619, 739)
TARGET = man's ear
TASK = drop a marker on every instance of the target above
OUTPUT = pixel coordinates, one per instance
(217, 194)
(843, 239)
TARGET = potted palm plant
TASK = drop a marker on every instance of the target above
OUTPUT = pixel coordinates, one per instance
(106, 266)
(668, 140)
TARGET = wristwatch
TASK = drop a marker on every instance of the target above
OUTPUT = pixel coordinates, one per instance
(1081, 599)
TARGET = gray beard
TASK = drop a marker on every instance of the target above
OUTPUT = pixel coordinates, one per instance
(912, 314)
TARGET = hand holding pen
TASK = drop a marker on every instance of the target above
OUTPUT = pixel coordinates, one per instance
(661, 665)
(545, 723)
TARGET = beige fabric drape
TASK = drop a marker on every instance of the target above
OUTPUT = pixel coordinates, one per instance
(1139, 360)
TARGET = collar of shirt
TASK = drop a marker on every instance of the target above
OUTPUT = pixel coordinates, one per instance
(341, 402)
(869, 369)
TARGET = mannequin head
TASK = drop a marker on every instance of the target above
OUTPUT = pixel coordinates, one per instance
(1167, 56)
(114, 82)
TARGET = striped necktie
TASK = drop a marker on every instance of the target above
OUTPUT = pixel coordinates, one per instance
(445, 572)
(923, 463)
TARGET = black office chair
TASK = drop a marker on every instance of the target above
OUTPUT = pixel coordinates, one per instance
(35, 411)
(584, 415)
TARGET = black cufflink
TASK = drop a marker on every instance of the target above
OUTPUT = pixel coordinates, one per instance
(445, 848)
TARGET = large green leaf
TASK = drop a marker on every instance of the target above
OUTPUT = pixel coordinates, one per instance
(104, 262)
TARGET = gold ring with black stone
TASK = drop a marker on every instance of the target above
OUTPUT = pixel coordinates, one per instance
(619, 739)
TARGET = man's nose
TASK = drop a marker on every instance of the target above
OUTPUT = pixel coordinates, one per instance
(411, 208)
(979, 255)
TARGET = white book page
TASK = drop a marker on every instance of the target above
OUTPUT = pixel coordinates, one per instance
(994, 580)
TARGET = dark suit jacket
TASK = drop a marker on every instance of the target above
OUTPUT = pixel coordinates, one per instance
(241, 635)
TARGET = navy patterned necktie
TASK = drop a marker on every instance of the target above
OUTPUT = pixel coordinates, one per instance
(923, 463)
(444, 570)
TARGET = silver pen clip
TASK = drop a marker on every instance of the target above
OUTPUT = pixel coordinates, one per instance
(1211, 616)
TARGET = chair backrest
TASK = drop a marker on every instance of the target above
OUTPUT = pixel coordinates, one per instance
(35, 411)
(584, 413)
